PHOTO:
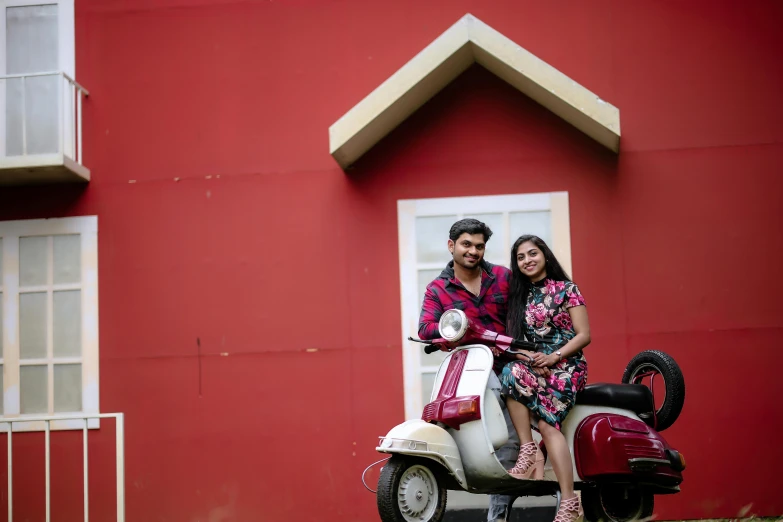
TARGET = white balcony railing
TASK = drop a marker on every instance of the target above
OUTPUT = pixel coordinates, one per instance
(47, 422)
(41, 121)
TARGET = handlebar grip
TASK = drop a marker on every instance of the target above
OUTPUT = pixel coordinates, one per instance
(431, 348)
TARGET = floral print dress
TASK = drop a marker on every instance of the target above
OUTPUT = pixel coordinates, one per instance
(548, 324)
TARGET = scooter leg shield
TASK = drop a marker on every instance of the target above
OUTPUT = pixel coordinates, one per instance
(422, 439)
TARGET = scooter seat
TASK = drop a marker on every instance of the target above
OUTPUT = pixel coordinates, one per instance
(635, 397)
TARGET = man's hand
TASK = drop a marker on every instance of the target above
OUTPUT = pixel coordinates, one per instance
(543, 372)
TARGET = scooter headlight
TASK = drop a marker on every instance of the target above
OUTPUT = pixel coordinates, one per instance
(452, 325)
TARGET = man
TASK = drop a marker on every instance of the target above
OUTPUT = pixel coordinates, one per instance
(479, 289)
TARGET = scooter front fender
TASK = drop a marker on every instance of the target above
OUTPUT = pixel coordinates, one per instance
(422, 439)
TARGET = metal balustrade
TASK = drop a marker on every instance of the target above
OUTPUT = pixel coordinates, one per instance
(47, 421)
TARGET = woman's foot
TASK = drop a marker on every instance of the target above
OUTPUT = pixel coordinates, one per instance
(530, 463)
(570, 510)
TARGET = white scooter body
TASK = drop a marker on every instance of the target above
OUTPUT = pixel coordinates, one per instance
(468, 453)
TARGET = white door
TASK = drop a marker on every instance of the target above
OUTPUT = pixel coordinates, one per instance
(423, 235)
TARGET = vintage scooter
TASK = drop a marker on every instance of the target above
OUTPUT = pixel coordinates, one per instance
(620, 459)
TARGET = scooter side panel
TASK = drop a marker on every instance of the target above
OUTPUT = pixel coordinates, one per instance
(606, 445)
(569, 427)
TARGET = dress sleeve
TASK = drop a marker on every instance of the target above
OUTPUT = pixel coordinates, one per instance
(573, 297)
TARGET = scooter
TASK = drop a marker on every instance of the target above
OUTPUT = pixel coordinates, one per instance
(620, 459)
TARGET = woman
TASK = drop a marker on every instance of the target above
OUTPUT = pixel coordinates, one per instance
(546, 307)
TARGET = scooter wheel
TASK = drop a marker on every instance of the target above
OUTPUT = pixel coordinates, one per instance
(616, 503)
(409, 491)
(652, 362)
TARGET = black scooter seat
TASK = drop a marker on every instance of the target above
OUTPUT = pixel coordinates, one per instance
(635, 397)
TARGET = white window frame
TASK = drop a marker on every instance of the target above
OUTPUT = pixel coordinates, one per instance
(407, 212)
(66, 49)
(10, 232)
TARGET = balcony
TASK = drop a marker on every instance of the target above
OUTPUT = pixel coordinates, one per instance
(41, 129)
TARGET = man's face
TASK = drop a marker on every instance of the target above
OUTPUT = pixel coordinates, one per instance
(468, 250)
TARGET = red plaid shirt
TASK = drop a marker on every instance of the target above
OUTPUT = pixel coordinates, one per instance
(446, 292)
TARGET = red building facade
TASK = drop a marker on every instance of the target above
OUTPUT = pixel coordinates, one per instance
(249, 287)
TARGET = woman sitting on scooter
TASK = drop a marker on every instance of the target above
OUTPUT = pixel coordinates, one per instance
(546, 307)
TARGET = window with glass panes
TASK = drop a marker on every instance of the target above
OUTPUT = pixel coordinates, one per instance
(49, 316)
(36, 42)
(423, 236)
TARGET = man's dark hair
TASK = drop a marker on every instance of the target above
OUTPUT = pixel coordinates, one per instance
(471, 226)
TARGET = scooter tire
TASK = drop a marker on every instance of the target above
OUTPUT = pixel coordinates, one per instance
(394, 474)
(608, 503)
(674, 382)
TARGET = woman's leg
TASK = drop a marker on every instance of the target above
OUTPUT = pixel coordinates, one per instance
(520, 417)
(557, 451)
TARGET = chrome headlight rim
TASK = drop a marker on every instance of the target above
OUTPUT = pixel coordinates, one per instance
(463, 324)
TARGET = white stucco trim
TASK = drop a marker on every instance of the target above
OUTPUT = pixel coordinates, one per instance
(466, 42)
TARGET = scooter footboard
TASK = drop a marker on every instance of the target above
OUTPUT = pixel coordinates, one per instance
(418, 438)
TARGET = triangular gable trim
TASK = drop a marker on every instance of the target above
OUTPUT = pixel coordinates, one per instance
(468, 41)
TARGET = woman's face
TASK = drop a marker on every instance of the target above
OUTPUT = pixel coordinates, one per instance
(531, 262)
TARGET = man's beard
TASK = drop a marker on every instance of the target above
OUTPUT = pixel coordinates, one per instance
(468, 263)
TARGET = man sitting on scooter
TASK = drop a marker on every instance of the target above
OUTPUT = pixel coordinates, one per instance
(479, 289)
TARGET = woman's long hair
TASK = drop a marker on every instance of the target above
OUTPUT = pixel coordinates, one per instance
(520, 284)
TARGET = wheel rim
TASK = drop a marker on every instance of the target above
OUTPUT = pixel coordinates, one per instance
(417, 497)
(621, 504)
(642, 371)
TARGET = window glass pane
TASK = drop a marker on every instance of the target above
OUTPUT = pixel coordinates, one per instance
(494, 253)
(67, 387)
(32, 325)
(432, 236)
(33, 260)
(14, 111)
(31, 47)
(67, 259)
(427, 382)
(536, 223)
(1, 324)
(67, 310)
(31, 39)
(1, 261)
(432, 359)
(425, 278)
(35, 389)
(2, 396)
(41, 116)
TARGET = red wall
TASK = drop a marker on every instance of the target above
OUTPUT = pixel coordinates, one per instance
(224, 221)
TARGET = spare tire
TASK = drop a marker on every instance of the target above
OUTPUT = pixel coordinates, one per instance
(674, 382)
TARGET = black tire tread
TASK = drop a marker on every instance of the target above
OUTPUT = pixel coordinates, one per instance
(673, 378)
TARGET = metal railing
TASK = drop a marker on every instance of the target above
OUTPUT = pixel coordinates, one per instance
(120, 458)
(69, 112)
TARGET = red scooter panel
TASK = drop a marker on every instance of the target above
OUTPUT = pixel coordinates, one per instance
(611, 445)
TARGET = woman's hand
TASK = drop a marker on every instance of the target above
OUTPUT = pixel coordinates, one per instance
(541, 360)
